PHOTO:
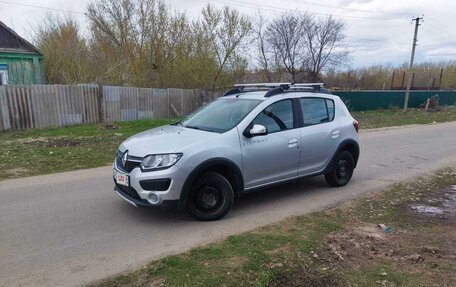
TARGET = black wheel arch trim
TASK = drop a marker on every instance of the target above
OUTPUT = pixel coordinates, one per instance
(342, 146)
(205, 165)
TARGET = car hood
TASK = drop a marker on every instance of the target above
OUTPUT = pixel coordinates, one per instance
(165, 139)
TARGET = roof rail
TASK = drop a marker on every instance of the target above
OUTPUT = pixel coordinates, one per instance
(277, 88)
(265, 85)
(309, 85)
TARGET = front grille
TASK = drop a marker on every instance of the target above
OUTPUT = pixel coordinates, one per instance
(129, 165)
(130, 191)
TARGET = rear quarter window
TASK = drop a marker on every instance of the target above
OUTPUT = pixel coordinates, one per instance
(330, 107)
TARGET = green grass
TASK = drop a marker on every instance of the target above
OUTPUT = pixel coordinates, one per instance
(41, 151)
(283, 254)
(396, 117)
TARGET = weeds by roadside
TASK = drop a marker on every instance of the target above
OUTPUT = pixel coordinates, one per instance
(396, 117)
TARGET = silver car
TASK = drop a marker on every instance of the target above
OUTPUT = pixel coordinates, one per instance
(254, 136)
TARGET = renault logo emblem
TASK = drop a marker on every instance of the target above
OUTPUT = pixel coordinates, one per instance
(125, 158)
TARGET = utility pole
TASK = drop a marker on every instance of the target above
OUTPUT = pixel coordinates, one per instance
(412, 58)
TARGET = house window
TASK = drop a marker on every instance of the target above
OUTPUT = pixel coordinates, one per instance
(3, 74)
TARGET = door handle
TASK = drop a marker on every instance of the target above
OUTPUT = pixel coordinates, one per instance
(293, 143)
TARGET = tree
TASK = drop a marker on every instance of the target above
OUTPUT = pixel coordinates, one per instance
(64, 49)
(114, 34)
(144, 44)
(225, 30)
(286, 37)
(324, 38)
(259, 28)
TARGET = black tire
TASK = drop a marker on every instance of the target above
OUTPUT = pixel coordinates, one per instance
(342, 169)
(211, 197)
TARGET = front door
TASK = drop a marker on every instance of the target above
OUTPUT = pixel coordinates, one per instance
(275, 156)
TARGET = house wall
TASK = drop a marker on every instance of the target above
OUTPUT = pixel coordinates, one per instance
(23, 68)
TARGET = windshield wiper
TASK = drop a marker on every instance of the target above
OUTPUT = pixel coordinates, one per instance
(200, 128)
(192, 127)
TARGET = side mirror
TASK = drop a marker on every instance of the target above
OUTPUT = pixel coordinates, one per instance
(257, 130)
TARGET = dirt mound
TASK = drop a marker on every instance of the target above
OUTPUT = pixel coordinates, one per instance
(361, 243)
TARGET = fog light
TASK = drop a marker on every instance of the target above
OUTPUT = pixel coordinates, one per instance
(153, 198)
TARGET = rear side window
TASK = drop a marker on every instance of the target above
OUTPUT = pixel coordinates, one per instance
(330, 106)
(317, 110)
(276, 117)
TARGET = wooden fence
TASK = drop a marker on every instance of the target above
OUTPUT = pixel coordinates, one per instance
(42, 106)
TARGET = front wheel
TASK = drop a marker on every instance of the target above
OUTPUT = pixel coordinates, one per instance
(342, 169)
(211, 197)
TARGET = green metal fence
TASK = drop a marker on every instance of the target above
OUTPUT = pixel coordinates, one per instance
(372, 100)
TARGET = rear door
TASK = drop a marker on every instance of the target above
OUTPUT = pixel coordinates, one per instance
(319, 134)
(272, 157)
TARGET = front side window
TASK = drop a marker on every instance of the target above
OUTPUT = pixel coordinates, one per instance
(276, 117)
(316, 110)
(220, 115)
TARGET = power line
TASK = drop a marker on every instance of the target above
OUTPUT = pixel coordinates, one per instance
(439, 30)
(437, 34)
(439, 24)
(279, 9)
(275, 8)
(367, 40)
(337, 7)
(42, 7)
(316, 13)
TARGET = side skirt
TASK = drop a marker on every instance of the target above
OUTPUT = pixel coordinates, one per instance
(280, 182)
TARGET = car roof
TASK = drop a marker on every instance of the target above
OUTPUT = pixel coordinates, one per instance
(260, 95)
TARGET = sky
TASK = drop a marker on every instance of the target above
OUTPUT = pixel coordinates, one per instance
(378, 31)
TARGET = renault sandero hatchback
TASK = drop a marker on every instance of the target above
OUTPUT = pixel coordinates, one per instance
(256, 135)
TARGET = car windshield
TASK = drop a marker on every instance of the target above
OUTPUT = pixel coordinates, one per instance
(220, 115)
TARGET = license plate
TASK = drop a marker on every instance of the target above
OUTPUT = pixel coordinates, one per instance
(122, 178)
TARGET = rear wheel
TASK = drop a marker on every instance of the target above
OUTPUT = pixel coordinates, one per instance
(211, 197)
(342, 169)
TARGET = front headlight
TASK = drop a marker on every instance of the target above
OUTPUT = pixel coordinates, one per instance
(160, 161)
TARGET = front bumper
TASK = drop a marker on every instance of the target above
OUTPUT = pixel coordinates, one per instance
(130, 199)
(154, 188)
(144, 203)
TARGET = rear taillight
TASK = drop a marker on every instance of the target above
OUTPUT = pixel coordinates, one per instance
(356, 125)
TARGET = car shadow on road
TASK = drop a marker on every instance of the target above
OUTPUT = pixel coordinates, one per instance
(280, 195)
(152, 215)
